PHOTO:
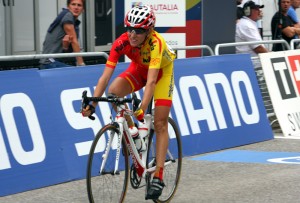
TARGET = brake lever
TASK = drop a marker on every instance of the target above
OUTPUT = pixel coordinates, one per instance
(135, 103)
(84, 103)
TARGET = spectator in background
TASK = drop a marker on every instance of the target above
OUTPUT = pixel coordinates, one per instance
(258, 22)
(239, 10)
(63, 34)
(282, 26)
(292, 12)
(247, 31)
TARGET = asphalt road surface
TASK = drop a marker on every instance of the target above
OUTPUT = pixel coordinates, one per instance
(262, 172)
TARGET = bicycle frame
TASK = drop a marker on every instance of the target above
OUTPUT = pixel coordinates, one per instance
(143, 164)
(139, 162)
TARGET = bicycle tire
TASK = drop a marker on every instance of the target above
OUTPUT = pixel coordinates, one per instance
(172, 171)
(107, 187)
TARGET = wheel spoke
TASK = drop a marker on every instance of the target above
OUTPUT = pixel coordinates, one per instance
(107, 186)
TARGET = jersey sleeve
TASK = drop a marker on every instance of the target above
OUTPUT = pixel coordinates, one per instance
(156, 54)
(116, 51)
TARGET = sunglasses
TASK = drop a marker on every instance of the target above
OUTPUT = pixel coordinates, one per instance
(137, 31)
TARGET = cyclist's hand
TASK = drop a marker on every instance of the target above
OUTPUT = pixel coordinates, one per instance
(88, 110)
(139, 114)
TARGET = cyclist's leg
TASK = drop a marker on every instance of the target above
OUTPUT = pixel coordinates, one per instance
(120, 87)
(161, 128)
(128, 81)
(173, 160)
(163, 101)
(161, 115)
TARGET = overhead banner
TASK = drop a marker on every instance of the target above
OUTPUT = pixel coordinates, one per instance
(282, 75)
(44, 140)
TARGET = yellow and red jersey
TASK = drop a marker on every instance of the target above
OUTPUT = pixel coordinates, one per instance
(154, 52)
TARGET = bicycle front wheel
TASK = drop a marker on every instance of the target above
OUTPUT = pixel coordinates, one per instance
(173, 161)
(108, 185)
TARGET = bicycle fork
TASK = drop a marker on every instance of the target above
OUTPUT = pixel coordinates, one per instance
(108, 148)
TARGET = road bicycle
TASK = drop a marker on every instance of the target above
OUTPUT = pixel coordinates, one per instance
(109, 168)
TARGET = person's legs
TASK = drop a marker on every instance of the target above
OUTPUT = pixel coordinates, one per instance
(163, 101)
(162, 139)
(161, 128)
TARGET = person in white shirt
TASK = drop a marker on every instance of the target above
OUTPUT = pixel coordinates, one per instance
(247, 31)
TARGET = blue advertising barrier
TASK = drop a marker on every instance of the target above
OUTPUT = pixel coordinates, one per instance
(44, 140)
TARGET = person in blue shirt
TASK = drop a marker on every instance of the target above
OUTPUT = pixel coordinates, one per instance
(292, 11)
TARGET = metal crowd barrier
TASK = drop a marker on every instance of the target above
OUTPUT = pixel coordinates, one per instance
(41, 56)
(281, 41)
(85, 54)
(194, 47)
(293, 42)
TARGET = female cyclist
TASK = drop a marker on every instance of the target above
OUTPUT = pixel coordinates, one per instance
(151, 67)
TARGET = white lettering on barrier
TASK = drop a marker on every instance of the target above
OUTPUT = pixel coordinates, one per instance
(220, 79)
(240, 77)
(77, 121)
(195, 115)
(232, 91)
(38, 153)
(4, 161)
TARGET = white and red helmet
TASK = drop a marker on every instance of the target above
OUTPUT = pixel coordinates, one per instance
(140, 17)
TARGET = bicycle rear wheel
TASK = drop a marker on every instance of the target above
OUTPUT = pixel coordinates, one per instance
(174, 159)
(107, 186)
